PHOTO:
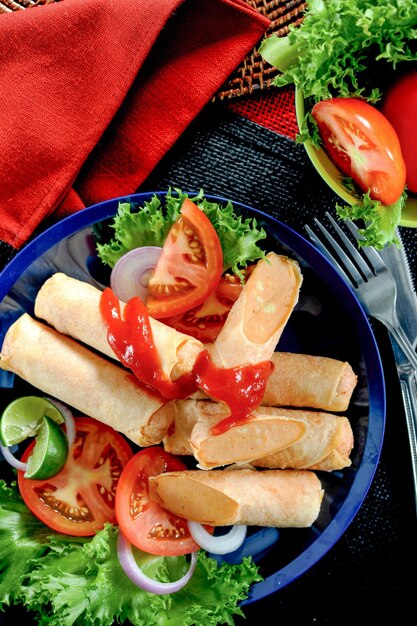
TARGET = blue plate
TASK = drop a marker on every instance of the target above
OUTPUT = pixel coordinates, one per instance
(328, 320)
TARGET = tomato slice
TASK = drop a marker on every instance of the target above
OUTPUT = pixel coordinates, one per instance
(144, 522)
(81, 497)
(189, 267)
(205, 321)
(362, 143)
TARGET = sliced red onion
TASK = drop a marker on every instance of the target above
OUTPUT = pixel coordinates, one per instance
(70, 427)
(8, 456)
(130, 276)
(136, 575)
(221, 544)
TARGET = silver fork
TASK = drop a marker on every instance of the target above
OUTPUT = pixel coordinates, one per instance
(375, 287)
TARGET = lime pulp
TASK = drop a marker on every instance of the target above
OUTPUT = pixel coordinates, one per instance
(23, 417)
(49, 453)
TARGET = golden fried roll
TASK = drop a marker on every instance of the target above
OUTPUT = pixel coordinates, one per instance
(186, 414)
(72, 307)
(258, 317)
(66, 370)
(297, 439)
(302, 380)
(279, 498)
(316, 382)
(326, 446)
(240, 444)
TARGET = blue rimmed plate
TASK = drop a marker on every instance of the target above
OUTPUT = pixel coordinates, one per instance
(328, 320)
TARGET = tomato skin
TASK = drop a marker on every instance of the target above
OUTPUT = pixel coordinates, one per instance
(84, 476)
(362, 143)
(400, 107)
(139, 518)
(190, 265)
(205, 321)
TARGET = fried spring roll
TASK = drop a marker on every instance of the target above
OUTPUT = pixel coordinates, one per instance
(316, 382)
(297, 439)
(301, 380)
(186, 415)
(66, 370)
(240, 444)
(326, 446)
(71, 306)
(279, 498)
(258, 317)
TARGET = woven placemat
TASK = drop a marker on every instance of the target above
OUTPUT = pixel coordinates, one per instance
(253, 73)
(6, 6)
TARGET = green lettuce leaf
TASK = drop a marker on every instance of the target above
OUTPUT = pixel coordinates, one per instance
(22, 538)
(238, 236)
(149, 225)
(338, 40)
(309, 131)
(380, 221)
(77, 581)
(134, 229)
(84, 584)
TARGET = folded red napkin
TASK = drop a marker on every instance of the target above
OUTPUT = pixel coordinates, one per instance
(94, 92)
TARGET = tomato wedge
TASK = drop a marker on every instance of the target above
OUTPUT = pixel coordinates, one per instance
(362, 143)
(189, 267)
(144, 522)
(81, 497)
(206, 321)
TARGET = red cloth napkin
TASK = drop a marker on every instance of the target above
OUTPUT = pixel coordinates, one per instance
(94, 92)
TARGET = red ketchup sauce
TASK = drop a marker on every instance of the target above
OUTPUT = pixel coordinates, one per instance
(241, 388)
(130, 337)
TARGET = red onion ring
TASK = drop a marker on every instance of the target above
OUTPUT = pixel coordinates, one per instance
(131, 273)
(136, 575)
(11, 460)
(70, 427)
(222, 544)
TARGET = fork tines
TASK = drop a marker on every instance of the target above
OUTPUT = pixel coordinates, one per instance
(356, 264)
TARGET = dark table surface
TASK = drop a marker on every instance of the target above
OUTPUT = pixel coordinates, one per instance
(370, 571)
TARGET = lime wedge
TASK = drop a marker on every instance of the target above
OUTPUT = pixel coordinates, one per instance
(22, 418)
(49, 453)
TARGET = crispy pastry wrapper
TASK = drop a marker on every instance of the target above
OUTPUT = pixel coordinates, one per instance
(72, 307)
(317, 382)
(305, 381)
(240, 444)
(66, 370)
(278, 498)
(297, 439)
(326, 446)
(258, 317)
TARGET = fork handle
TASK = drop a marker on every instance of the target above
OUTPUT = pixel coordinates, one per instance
(408, 383)
(404, 343)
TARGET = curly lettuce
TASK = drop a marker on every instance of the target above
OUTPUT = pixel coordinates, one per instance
(148, 225)
(338, 41)
(381, 221)
(78, 581)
